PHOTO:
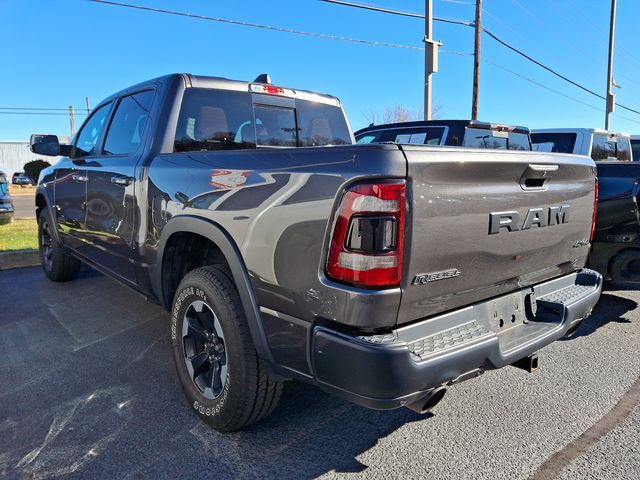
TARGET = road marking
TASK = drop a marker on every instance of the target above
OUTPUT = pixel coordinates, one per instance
(559, 460)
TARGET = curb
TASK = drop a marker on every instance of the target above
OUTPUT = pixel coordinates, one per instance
(19, 259)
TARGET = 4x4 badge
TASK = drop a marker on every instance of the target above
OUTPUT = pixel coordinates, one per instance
(424, 278)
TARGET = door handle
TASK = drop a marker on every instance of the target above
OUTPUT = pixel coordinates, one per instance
(80, 178)
(123, 181)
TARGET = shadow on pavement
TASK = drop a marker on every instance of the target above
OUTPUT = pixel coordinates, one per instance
(88, 387)
(609, 309)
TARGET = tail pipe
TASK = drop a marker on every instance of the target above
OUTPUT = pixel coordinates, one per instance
(530, 363)
(426, 404)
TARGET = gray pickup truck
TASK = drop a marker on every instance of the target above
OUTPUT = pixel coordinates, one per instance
(382, 273)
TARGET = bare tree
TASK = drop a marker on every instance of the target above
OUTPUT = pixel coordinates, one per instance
(396, 114)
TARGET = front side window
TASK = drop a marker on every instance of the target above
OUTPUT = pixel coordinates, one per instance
(91, 132)
(126, 129)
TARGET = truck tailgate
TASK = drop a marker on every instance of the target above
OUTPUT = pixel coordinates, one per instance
(463, 241)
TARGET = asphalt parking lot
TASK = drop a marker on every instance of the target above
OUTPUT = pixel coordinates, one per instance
(24, 205)
(87, 387)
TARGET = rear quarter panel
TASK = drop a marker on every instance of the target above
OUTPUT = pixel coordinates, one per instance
(277, 204)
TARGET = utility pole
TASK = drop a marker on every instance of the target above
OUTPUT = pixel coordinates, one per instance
(476, 61)
(430, 57)
(72, 120)
(88, 107)
(611, 97)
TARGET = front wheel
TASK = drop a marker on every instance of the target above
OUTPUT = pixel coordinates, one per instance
(57, 265)
(223, 378)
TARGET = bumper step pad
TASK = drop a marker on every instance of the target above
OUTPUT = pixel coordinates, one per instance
(453, 337)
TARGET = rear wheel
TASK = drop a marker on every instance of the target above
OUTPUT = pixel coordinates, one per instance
(223, 378)
(57, 265)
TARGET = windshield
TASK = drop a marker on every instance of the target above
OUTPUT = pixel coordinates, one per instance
(495, 140)
(221, 119)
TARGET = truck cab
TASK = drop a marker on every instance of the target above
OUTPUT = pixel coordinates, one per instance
(615, 248)
(601, 145)
(455, 133)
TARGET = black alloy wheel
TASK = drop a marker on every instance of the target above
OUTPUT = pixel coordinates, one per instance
(205, 354)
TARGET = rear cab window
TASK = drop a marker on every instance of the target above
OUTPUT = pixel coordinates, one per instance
(610, 148)
(554, 142)
(405, 135)
(488, 138)
(212, 119)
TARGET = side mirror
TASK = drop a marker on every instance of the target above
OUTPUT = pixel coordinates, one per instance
(45, 145)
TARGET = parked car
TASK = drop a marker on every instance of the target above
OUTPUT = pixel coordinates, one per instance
(6, 204)
(615, 250)
(23, 180)
(15, 175)
(460, 133)
(382, 273)
(594, 142)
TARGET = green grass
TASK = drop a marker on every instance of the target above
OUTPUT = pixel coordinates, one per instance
(19, 234)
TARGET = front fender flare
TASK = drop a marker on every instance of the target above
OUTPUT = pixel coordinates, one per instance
(216, 233)
(48, 200)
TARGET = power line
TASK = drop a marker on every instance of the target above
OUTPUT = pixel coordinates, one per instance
(35, 108)
(396, 12)
(40, 113)
(554, 91)
(369, 42)
(494, 37)
(256, 25)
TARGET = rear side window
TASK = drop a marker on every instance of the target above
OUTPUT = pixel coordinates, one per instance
(607, 147)
(495, 140)
(635, 148)
(126, 129)
(554, 142)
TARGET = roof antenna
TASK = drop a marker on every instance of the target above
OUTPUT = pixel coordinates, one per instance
(263, 78)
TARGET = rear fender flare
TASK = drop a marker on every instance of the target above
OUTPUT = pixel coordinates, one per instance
(216, 234)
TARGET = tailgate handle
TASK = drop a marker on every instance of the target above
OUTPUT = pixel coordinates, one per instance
(535, 176)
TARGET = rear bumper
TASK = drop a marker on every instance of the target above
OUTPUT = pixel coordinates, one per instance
(388, 371)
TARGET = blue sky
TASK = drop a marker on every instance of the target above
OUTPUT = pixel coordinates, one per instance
(57, 53)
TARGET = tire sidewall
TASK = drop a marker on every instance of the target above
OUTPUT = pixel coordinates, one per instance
(218, 410)
(45, 217)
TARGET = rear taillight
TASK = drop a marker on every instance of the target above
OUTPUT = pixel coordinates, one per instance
(368, 236)
(595, 210)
